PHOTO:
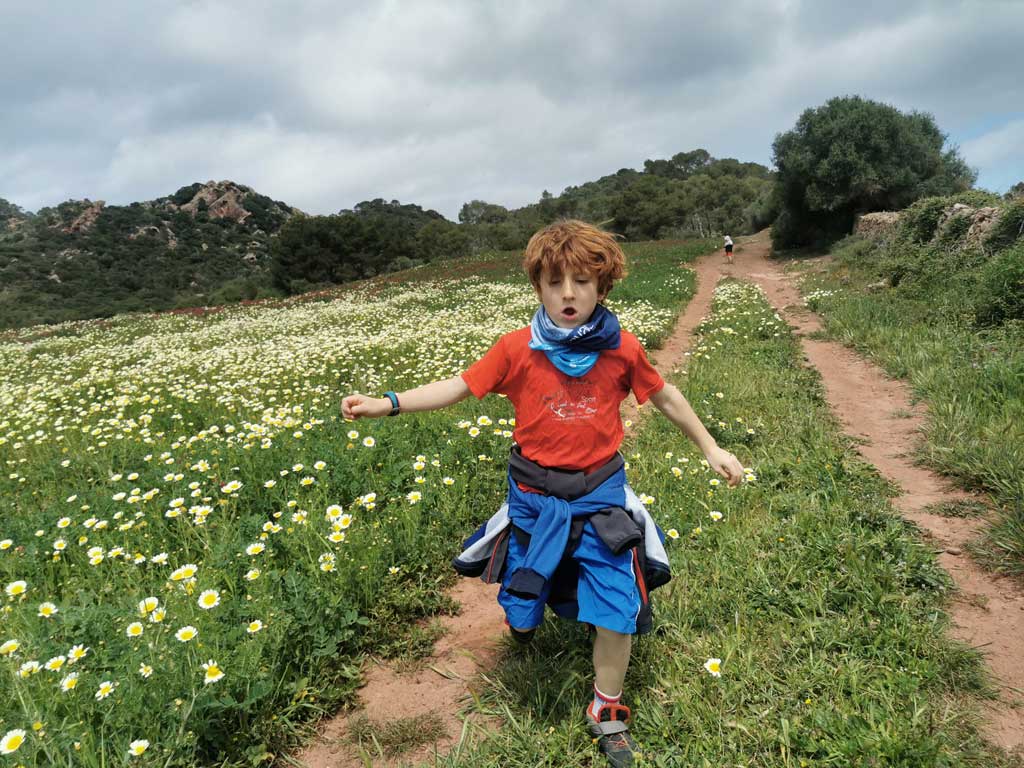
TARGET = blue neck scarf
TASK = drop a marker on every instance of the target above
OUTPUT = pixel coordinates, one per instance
(574, 351)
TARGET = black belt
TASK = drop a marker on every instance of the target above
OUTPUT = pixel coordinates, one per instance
(563, 483)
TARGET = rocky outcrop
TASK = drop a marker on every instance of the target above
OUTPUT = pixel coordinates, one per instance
(154, 231)
(86, 219)
(965, 226)
(959, 225)
(150, 231)
(222, 200)
(954, 211)
(877, 225)
(982, 222)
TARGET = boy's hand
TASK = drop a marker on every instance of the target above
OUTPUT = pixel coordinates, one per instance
(725, 464)
(358, 406)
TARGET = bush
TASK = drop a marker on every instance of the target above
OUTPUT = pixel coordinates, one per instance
(855, 249)
(919, 222)
(233, 291)
(1009, 227)
(976, 198)
(1000, 291)
(185, 194)
(955, 230)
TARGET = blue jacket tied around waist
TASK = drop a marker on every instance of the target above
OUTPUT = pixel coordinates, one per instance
(547, 520)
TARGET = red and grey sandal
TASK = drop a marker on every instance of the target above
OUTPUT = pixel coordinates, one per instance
(611, 730)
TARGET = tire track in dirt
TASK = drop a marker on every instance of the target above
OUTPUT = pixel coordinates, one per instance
(988, 609)
(470, 645)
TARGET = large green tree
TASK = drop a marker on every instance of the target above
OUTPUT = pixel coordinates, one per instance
(852, 156)
(374, 237)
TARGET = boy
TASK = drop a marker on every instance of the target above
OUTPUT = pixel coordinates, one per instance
(569, 513)
(728, 248)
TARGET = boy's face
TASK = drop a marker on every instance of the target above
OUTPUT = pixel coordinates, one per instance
(568, 298)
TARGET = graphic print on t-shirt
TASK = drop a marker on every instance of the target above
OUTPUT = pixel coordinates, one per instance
(574, 400)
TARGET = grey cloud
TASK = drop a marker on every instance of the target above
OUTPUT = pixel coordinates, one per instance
(323, 105)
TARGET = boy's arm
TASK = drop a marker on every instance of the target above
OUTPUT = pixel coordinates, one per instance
(670, 401)
(429, 397)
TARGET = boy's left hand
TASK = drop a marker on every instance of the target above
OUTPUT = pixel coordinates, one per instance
(725, 464)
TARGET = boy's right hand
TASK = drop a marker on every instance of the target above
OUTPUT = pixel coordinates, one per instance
(359, 406)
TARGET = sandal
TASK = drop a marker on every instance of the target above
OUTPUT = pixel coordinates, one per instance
(612, 734)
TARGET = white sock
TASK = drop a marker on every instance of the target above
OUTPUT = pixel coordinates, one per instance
(600, 699)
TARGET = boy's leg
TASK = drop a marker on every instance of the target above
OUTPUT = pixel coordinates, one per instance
(610, 598)
(609, 718)
(611, 658)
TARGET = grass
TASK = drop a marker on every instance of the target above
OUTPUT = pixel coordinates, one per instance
(138, 446)
(957, 508)
(822, 603)
(395, 737)
(971, 378)
(824, 606)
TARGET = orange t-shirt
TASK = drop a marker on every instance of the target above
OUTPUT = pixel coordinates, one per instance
(565, 421)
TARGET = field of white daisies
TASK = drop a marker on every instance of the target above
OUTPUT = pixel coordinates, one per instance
(196, 551)
(198, 554)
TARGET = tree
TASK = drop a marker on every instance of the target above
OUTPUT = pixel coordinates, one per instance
(480, 212)
(682, 166)
(10, 211)
(441, 240)
(852, 156)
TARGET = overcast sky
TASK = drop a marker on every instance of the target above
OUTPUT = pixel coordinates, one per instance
(324, 103)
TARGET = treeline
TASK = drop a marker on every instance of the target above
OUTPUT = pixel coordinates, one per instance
(373, 238)
(845, 158)
(222, 242)
(690, 194)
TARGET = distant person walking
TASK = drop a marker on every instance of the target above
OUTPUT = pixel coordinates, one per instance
(728, 248)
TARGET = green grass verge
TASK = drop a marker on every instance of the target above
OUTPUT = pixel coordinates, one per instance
(971, 378)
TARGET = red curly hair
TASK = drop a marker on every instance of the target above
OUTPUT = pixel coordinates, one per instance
(576, 246)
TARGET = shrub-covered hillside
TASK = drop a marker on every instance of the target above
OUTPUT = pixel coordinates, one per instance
(218, 243)
(963, 254)
(205, 244)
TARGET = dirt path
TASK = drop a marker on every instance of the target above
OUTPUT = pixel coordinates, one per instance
(988, 612)
(469, 646)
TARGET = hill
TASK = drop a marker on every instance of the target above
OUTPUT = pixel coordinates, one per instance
(223, 242)
(206, 243)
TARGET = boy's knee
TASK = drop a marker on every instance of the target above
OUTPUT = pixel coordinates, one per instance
(610, 634)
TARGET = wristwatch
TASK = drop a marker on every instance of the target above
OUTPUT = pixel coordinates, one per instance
(395, 407)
